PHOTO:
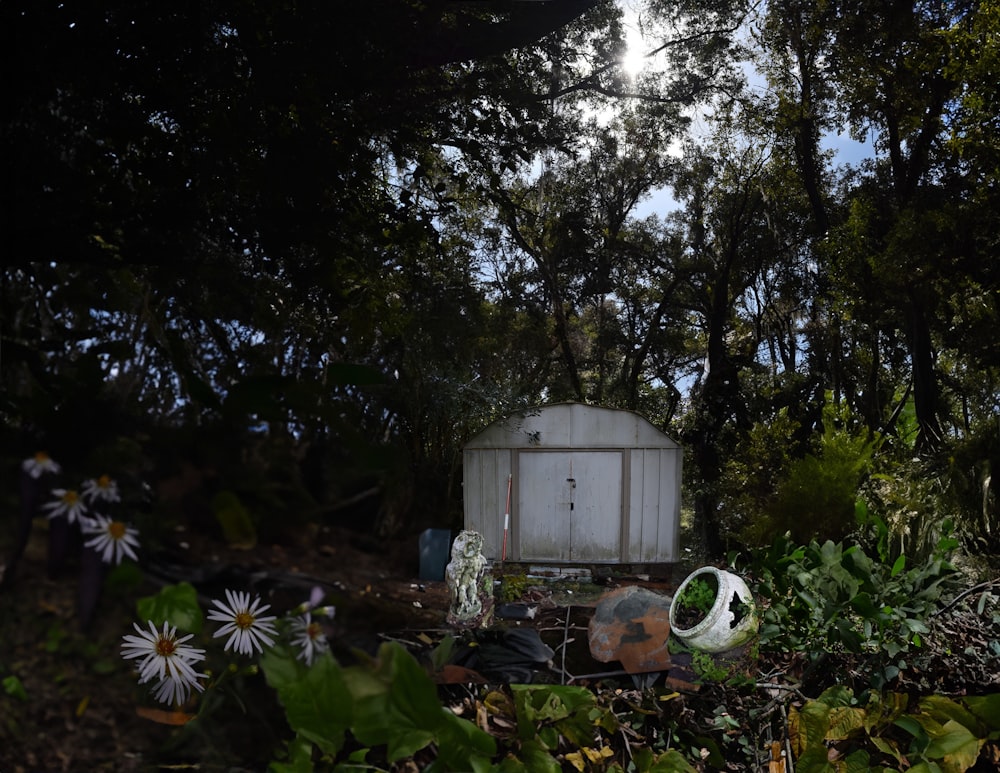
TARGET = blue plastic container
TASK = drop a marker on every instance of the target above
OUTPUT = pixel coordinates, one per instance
(435, 549)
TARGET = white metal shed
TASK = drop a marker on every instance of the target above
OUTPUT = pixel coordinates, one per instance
(587, 485)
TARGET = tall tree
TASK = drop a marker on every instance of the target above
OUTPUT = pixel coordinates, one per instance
(728, 245)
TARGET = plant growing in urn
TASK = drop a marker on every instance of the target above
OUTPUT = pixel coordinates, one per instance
(696, 602)
(713, 611)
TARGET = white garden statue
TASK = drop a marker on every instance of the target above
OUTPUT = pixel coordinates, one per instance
(470, 584)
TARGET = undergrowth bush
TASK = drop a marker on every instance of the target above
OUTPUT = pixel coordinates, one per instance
(834, 598)
(818, 495)
(770, 486)
(873, 732)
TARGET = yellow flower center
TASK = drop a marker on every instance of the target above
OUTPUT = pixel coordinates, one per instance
(104, 481)
(71, 497)
(244, 620)
(116, 529)
(314, 630)
(41, 457)
(165, 647)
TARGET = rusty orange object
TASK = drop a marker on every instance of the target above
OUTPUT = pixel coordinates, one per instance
(632, 625)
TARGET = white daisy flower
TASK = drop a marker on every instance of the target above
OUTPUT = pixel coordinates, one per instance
(102, 488)
(38, 464)
(67, 502)
(175, 692)
(244, 622)
(165, 657)
(309, 637)
(114, 540)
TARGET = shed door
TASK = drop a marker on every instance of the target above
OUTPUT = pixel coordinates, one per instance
(570, 505)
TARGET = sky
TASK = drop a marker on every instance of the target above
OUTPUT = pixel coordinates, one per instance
(846, 149)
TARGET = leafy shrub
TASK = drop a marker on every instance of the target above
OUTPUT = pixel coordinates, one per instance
(769, 486)
(838, 732)
(824, 598)
(818, 496)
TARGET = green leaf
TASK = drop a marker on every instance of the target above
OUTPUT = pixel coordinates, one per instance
(13, 687)
(511, 764)
(537, 759)
(672, 761)
(954, 744)
(986, 708)
(898, 566)
(315, 698)
(814, 722)
(299, 758)
(925, 766)
(912, 726)
(942, 708)
(887, 747)
(844, 721)
(838, 695)
(397, 705)
(814, 760)
(234, 519)
(174, 604)
(857, 762)
(548, 737)
(566, 707)
(462, 744)
(440, 656)
(864, 606)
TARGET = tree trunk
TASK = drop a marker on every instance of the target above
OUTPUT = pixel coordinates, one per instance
(925, 391)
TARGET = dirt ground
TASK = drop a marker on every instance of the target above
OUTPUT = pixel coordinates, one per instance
(70, 703)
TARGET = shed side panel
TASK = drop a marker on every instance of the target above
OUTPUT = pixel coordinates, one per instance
(668, 541)
(653, 514)
(637, 505)
(486, 472)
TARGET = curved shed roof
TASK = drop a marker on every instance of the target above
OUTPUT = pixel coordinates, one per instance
(572, 425)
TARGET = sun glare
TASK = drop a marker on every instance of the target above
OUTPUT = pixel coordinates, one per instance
(635, 58)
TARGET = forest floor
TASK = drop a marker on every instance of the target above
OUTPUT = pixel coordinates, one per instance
(70, 703)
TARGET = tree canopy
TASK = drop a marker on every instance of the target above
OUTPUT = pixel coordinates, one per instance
(353, 235)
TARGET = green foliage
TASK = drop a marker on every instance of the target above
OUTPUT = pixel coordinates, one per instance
(237, 526)
(752, 474)
(671, 761)
(316, 701)
(818, 495)
(388, 703)
(698, 595)
(547, 719)
(13, 687)
(176, 604)
(914, 493)
(706, 667)
(823, 598)
(513, 586)
(836, 732)
(124, 579)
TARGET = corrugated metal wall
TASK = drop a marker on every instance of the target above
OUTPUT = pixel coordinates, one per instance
(589, 485)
